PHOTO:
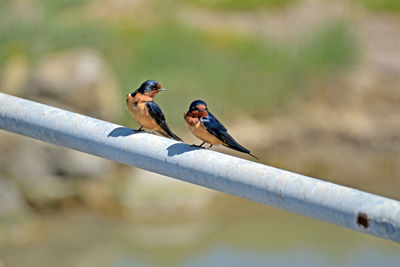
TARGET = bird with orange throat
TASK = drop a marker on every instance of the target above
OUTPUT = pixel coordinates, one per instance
(146, 112)
(206, 127)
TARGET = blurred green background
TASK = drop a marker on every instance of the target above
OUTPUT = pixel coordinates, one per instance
(310, 86)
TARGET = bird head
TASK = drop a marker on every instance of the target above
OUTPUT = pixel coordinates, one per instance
(197, 108)
(149, 88)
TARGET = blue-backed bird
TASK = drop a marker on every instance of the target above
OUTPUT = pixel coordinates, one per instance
(206, 127)
(146, 112)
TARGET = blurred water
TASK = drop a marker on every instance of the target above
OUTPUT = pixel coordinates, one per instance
(248, 234)
(304, 256)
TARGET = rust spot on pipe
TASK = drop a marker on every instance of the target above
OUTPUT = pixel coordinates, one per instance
(362, 220)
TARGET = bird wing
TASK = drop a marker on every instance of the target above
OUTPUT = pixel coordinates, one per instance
(156, 113)
(216, 128)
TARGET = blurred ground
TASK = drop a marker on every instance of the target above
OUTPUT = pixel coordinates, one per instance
(310, 86)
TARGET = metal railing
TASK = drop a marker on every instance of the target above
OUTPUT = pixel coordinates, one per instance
(300, 194)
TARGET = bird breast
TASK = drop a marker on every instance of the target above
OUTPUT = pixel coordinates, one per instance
(200, 131)
(138, 109)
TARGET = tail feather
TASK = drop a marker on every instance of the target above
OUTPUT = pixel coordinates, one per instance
(254, 156)
(231, 143)
(170, 133)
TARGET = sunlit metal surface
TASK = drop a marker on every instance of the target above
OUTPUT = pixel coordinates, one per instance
(311, 197)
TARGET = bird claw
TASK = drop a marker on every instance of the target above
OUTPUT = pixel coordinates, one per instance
(200, 146)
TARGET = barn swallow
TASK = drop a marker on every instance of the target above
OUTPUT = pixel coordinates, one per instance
(145, 111)
(205, 126)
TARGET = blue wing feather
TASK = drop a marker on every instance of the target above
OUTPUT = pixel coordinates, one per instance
(213, 124)
(156, 113)
(216, 128)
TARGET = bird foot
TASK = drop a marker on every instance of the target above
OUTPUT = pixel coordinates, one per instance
(200, 146)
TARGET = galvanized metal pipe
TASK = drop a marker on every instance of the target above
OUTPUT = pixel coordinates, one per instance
(311, 197)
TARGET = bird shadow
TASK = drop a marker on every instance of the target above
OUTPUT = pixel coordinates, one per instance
(122, 131)
(180, 148)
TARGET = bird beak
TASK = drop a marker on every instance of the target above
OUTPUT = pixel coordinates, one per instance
(161, 89)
